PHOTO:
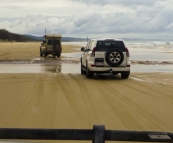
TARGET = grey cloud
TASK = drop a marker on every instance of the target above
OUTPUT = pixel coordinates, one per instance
(169, 27)
(87, 20)
(120, 2)
(136, 17)
(111, 23)
(125, 22)
(12, 7)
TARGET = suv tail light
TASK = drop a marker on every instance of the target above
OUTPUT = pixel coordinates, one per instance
(93, 51)
(127, 52)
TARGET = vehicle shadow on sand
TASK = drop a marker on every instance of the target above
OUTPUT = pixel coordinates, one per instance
(107, 77)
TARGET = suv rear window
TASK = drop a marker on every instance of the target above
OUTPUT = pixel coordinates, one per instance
(105, 45)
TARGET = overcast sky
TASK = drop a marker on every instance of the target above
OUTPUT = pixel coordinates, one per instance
(95, 18)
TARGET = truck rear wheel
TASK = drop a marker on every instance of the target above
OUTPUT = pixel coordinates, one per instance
(45, 54)
(41, 54)
(58, 55)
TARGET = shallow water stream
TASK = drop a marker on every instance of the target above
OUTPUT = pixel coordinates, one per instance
(70, 63)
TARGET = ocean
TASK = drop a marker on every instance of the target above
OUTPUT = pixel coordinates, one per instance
(159, 51)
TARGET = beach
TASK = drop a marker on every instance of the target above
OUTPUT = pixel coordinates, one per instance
(51, 93)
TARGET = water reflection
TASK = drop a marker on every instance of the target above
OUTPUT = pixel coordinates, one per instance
(40, 68)
(62, 68)
(72, 55)
(52, 69)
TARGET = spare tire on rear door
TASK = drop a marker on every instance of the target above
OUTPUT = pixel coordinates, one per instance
(114, 57)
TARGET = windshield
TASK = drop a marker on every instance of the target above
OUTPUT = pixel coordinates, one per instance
(104, 62)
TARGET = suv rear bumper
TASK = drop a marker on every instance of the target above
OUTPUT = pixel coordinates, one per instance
(108, 69)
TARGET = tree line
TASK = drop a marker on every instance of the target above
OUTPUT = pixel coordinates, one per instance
(8, 36)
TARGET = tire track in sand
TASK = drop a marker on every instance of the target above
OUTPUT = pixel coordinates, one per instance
(87, 99)
(143, 119)
(72, 101)
(21, 115)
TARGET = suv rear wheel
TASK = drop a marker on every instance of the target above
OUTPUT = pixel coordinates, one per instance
(82, 71)
(89, 74)
(114, 57)
(125, 75)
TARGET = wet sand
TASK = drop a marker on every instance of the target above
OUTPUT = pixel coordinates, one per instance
(60, 100)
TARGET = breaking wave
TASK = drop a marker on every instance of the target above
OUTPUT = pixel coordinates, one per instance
(151, 62)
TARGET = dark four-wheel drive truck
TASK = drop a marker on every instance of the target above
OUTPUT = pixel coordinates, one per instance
(51, 45)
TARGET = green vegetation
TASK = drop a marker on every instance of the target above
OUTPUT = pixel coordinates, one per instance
(12, 37)
(6, 36)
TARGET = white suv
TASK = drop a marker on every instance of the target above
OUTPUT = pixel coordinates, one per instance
(105, 56)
